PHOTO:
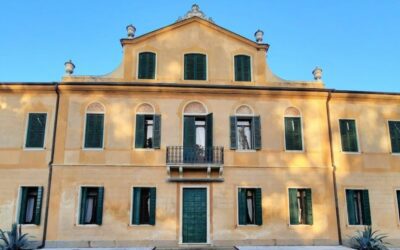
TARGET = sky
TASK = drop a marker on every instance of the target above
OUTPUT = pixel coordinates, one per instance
(355, 42)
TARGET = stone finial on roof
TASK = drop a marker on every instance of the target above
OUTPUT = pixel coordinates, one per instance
(259, 35)
(195, 11)
(69, 67)
(317, 72)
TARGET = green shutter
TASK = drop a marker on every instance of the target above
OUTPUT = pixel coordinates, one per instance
(99, 209)
(94, 130)
(201, 67)
(157, 132)
(209, 138)
(136, 206)
(195, 67)
(147, 65)
(189, 138)
(153, 206)
(189, 67)
(38, 205)
(348, 134)
(242, 206)
(258, 207)
(233, 132)
(256, 129)
(36, 130)
(309, 215)
(242, 68)
(293, 207)
(293, 136)
(394, 130)
(139, 136)
(366, 208)
(351, 213)
(83, 205)
(398, 202)
(23, 201)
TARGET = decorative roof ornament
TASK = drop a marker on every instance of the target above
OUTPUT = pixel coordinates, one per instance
(69, 67)
(195, 11)
(317, 72)
(259, 36)
(130, 30)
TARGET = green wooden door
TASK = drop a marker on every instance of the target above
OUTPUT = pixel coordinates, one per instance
(194, 215)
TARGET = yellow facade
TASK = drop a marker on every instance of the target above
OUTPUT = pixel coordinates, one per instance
(119, 166)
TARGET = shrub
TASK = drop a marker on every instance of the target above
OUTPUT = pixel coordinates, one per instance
(14, 239)
(368, 240)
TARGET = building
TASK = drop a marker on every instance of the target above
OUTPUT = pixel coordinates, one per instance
(193, 140)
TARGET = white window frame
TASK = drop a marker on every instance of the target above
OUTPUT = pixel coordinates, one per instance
(288, 206)
(84, 128)
(251, 68)
(390, 140)
(302, 133)
(18, 206)
(347, 212)
(131, 207)
(26, 133)
(78, 209)
(357, 136)
(137, 65)
(237, 205)
(183, 66)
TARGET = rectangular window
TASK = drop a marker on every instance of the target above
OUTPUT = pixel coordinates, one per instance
(144, 206)
(242, 68)
(348, 134)
(394, 130)
(36, 130)
(195, 67)
(358, 208)
(91, 209)
(94, 131)
(245, 133)
(398, 203)
(250, 206)
(148, 131)
(293, 134)
(300, 206)
(30, 205)
(147, 65)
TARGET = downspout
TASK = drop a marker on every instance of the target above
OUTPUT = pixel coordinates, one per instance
(50, 175)
(339, 231)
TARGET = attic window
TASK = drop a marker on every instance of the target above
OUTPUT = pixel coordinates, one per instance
(147, 65)
(195, 67)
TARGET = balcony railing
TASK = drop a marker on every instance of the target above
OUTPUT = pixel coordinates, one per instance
(179, 155)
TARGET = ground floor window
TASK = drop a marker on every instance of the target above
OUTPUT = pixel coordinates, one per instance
(358, 209)
(144, 206)
(250, 206)
(91, 209)
(300, 206)
(30, 205)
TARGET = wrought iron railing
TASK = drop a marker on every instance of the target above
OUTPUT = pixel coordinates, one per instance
(195, 155)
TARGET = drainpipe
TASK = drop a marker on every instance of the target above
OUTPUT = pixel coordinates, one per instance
(50, 165)
(339, 231)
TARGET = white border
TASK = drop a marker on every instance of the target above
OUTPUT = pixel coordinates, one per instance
(358, 139)
(251, 68)
(137, 65)
(78, 208)
(131, 208)
(181, 214)
(390, 139)
(237, 205)
(346, 208)
(18, 206)
(183, 66)
(26, 132)
(84, 127)
(302, 131)
(288, 206)
(252, 150)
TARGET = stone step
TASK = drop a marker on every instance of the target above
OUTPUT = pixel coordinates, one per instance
(195, 248)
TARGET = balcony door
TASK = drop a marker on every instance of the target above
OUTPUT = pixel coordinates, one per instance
(198, 139)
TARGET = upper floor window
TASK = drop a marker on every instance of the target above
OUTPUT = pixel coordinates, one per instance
(348, 135)
(245, 129)
(394, 130)
(147, 65)
(36, 129)
(30, 205)
(293, 130)
(91, 209)
(358, 209)
(94, 129)
(242, 68)
(148, 127)
(300, 206)
(249, 206)
(195, 67)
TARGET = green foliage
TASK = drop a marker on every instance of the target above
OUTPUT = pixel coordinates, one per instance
(368, 240)
(14, 239)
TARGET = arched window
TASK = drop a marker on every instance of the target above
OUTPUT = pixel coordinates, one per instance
(195, 67)
(147, 65)
(94, 126)
(293, 130)
(242, 68)
(148, 127)
(245, 129)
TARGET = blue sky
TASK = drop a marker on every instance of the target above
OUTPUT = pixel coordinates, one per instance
(356, 42)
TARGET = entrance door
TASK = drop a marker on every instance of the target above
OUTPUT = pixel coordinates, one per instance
(194, 215)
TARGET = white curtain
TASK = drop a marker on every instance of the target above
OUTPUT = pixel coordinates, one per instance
(250, 208)
(89, 210)
(29, 209)
(201, 136)
(244, 137)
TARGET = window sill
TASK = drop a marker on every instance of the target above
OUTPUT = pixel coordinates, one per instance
(294, 151)
(245, 150)
(248, 225)
(87, 225)
(299, 225)
(395, 154)
(141, 225)
(144, 149)
(356, 226)
(34, 149)
(93, 149)
(29, 225)
(350, 153)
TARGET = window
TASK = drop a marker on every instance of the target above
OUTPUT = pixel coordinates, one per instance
(300, 206)
(91, 209)
(348, 134)
(245, 133)
(242, 68)
(144, 206)
(293, 133)
(250, 206)
(195, 67)
(398, 202)
(358, 209)
(394, 130)
(30, 205)
(147, 65)
(148, 131)
(36, 130)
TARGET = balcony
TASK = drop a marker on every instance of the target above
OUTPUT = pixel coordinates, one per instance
(196, 164)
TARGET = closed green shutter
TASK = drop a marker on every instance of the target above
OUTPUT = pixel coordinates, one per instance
(209, 138)
(242, 68)
(99, 209)
(398, 202)
(366, 208)
(256, 127)
(258, 207)
(153, 197)
(94, 130)
(348, 134)
(195, 67)
(139, 135)
(136, 206)
(189, 139)
(293, 207)
(242, 206)
(36, 130)
(233, 132)
(309, 215)
(394, 130)
(38, 205)
(157, 132)
(22, 209)
(189, 67)
(201, 67)
(83, 205)
(351, 213)
(147, 65)
(293, 136)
